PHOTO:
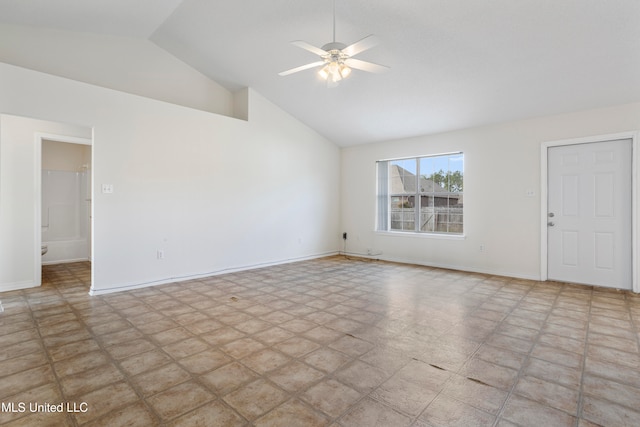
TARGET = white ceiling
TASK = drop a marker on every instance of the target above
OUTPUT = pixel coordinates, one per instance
(454, 63)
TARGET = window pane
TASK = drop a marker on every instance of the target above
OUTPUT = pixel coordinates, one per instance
(402, 176)
(455, 214)
(456, 173)
(427, 213)
(403, 213)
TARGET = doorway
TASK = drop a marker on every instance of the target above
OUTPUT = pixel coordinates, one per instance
(588, 226)
(63, 232)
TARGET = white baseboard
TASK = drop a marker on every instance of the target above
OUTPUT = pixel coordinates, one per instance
(168, 280)
(6, 287)
(467, 269)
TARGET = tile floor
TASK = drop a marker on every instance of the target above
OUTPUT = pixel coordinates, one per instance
(328, 342)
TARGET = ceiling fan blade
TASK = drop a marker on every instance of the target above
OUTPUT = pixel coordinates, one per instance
(361, 45)
(306, 46)
(365, 66)
(303, 67)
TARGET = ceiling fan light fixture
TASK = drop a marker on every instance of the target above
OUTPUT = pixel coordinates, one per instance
(345, 71)
(335, 56)
(334, 71)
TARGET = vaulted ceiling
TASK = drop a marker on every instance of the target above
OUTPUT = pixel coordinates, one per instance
(453, 63)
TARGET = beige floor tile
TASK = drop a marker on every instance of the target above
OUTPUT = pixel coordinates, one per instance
(265, 360)
(104, 401)
(606, 413)
(557, 356)
(527, 413)
(500, 356)
(228, 378)
(22, 363)
(612, 391)
(120, 337)
(292, 413)
(606, 354)
(21, 381)
(44, 393)
(136, 415)
(255, 399)
(80, 363)
(59, 340)
(423, 374)
(295, 376)
(491, 374)
(563, 375)
(130, 348)
(405, 396)
(322, 335)
(297, 346)
(171, 336)
(298, 325)
(143, 362)
(252, 326)
(86, 381)
(213, 414)
(615, 372)
(185, 348)
(331, 397)
(361, 376)
(548, 393)
(326, 359)
(444, 411)
(157, 380)
(179, 400)
(563, 343)
(387, 359)
(242, 347)
(476, 394)
(40, 419)
(222, 336)
(371, 413)
(205, 361)
(351, 345)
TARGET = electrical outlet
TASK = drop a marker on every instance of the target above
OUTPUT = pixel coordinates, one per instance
(482, 247)
(107, 188)
(160, 254)
(344, 236)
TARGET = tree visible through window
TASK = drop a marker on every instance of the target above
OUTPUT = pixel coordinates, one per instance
(421, 194)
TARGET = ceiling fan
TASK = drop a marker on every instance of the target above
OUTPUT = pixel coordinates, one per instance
(337, 59)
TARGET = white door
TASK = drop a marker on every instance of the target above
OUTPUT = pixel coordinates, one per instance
(589, 213)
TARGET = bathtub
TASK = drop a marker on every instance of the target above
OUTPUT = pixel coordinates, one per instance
(59, 251)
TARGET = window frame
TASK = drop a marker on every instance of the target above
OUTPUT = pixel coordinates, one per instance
(384, 197)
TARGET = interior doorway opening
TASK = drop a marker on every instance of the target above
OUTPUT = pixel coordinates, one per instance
(63, 205)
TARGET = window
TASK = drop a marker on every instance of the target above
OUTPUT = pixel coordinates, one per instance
(421, 194)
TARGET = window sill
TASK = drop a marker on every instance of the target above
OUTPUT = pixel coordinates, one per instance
(422, 235)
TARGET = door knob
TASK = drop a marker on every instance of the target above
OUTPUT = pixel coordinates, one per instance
(550, 224)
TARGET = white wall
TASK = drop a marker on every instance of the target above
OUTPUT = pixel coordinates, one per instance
(141, 68)
(502, 162)
(18, 195)
(214, 193)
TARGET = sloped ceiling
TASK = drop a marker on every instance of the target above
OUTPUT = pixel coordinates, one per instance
(454, 63)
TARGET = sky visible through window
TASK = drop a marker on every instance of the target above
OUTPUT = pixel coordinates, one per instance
(433, 164)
